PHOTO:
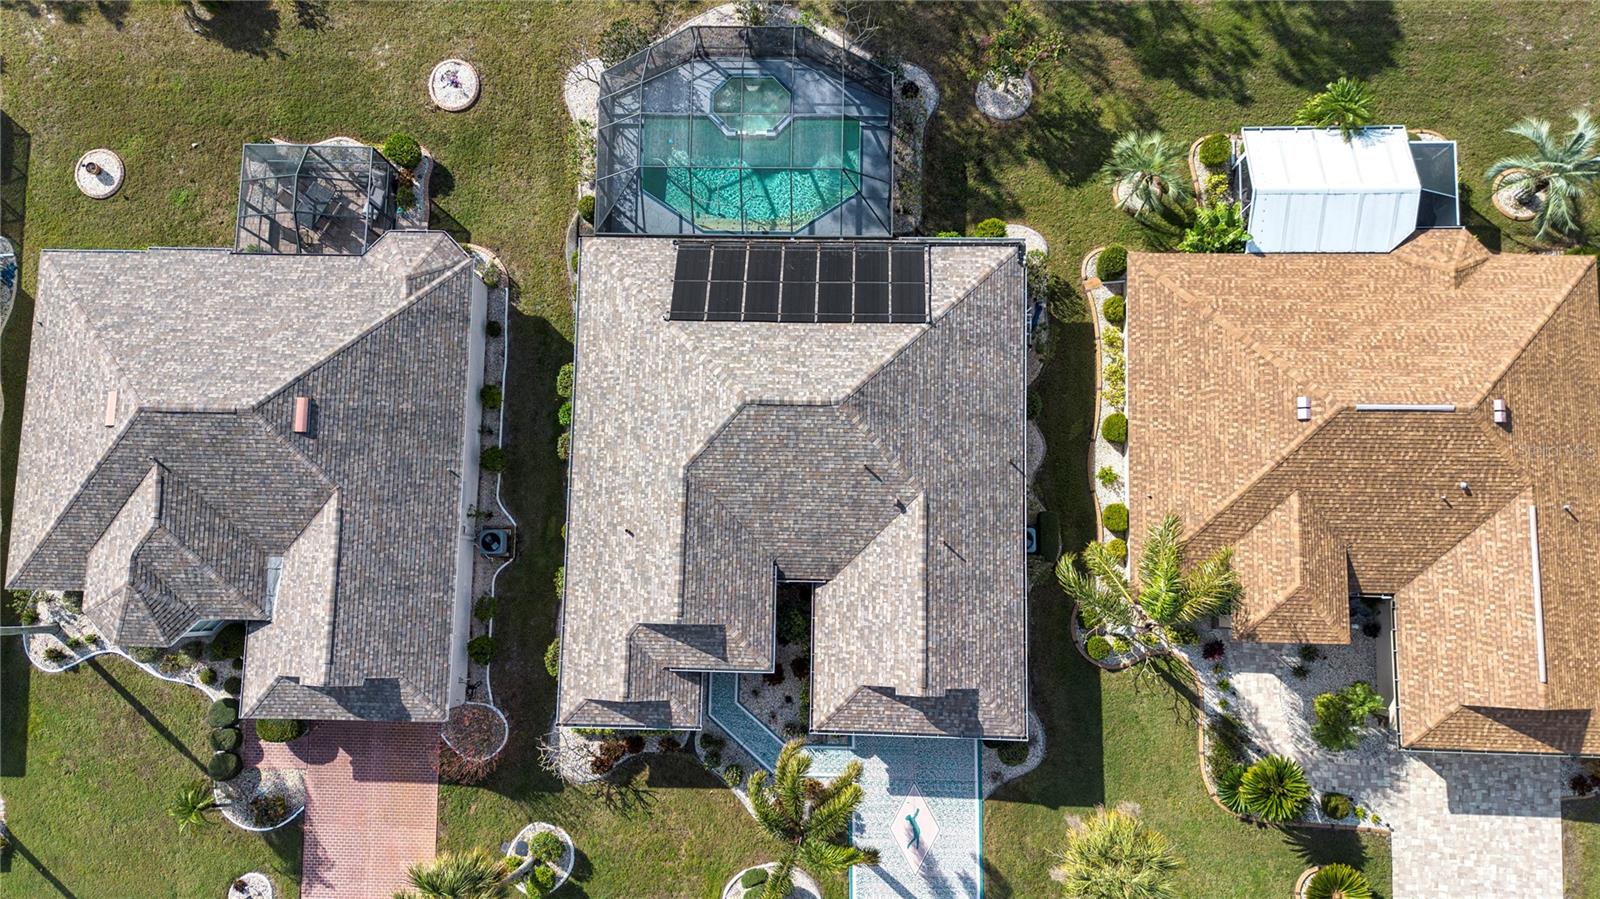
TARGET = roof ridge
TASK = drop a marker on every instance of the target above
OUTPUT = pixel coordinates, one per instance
(1243, 337)
(1565, 295)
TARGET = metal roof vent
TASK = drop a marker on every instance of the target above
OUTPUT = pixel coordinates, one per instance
(111, 408)
(1302, 408)
(302, 414)
(1502, 414)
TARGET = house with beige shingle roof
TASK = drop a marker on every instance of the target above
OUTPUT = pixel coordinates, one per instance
(1417, 426)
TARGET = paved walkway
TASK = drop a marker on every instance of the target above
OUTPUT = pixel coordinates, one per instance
(1493, 821)
(945, 773)
(372, 803)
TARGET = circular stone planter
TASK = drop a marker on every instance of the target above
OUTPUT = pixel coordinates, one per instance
(1006, 100)
(99, 174)
(563, 865)
(254, 885)
(453, 85)
(1032, 240)
(1507, 203)
(1305, 878)
(805, 887)
(460, 717)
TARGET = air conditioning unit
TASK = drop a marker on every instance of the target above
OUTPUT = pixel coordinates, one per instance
(494, 542)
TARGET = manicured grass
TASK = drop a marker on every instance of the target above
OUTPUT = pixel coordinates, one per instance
(92, 759)
(1581, 847)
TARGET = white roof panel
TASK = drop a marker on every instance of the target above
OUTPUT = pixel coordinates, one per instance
(1307, 160)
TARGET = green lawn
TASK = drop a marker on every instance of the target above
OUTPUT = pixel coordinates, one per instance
(92, 758)
(1581, 844)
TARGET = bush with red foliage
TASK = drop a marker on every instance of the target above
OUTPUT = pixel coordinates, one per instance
(1213, 650)
(634, 742)
(474, 731)
(669, 744)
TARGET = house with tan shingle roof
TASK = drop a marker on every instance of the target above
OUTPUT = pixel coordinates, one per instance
(1418, 426)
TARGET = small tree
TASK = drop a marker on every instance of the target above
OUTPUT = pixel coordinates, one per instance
(1150, 168)
(807, 817)
(474, 874)
(1562, 170)
(1346, 104)
(1017, 47)
(192, 804)
(1113, 855)
(622, 39)
(1218, 228)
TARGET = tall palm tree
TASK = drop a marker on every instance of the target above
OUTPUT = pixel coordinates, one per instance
(1561, 169)
(474, 874)
(1346, 104)
(807, 817)
(1165, 595)
(1151, 169)
(1113, 855)
(192, 804)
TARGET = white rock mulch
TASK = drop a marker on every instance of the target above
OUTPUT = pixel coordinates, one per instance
(99, 173)
(927, 90)
(804, 886)
(580, 90)
(453, 85)
(1006, 100)
(999, 773)
(562, 866)
(234, 796)
(1106, 453)
(766, 702)
(254, 885)
(1032, 240)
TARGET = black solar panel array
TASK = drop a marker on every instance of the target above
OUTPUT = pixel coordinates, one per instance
(789, 281)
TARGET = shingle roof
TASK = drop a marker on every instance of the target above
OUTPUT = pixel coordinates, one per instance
(788, 450)
(203, 352)
(1219, 349)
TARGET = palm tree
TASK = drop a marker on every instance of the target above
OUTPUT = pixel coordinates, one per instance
(192, 804)
(1338, 881)
(474, 874)
(1113, 855)
(1346, 104)
(1150, 168)
(1560, 169)
(807, 817)
(1165, 596)
(1274, 789)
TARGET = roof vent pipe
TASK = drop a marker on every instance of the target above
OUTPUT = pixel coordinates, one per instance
(1302, 408)
(111, 408)
(1502, 415)
(302, 414)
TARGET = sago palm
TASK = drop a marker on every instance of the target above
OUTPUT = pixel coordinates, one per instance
(807, 817)
(1113, 855)
(192, 804)
(474, 874)
(1346, 104)
(1560, 168)
(1274, 789)
(1338, 882)
(1151, 168)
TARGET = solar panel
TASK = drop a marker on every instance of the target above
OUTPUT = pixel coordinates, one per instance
(727, 263)
(872, 264)
(761, 301)
(834, 301)
(872, 302)
(765, 280)
(799, 301)
(689, 300)
(835, 264)
(726, 301)
(766, 264)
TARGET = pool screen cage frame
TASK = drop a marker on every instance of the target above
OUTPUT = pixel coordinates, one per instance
(825, 82)
(313, 198)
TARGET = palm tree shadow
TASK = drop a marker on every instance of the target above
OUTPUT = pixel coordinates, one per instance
(625, 795)
(21, 848)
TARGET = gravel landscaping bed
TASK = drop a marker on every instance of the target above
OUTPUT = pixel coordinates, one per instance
(234, 797)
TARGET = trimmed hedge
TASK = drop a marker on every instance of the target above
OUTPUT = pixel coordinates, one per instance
(233, 685)
(564, 414)
(586, 207)
(1115, 518)
(552, 657)
(207, 676)
(493, 328)
(403, 150)
(753, 878)
(990, 228)
(564, 445)
(225, 739)
(1012, 753)
(1112, 263)
(279, 730)
(1098, 647)
(544, 846)
(490, 396)
(483, 608)
(1216, 150)
(492, 459)
(1118, 548)
(223, 766)
(1115, 309)
(564, 380)
(1114, 427)
(480, 649)
(224, 712)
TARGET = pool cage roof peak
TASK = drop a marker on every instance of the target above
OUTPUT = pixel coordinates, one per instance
(330, 198)
(682, 151)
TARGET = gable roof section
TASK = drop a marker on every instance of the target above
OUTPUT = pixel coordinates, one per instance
(1222, 346)
(1292, 570)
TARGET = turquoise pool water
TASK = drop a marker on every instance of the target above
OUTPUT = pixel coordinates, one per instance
(751, 105)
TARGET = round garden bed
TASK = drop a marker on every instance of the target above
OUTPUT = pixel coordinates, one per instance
(523, 852)
(262, 799)
(254, 885)
(1511, 202)
(99, 174)
(805, 887)
(476, 731)
(1005, 100)
(453, 85)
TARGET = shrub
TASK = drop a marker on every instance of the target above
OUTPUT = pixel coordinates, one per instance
(564, 414)
(1118, 548)
(405, 194)
(1184, 635)
(564, 446)
(990, 227)
(279, 730)
(1217, 228)
(207, 676)
(543, 879)
(709, 740)
(586, 207)
(223, 766)
(57, 654)
(24, 605)
(794, 625)
(480, 649)
(493, 328)
(225, 739)
(1226, 748)
(1114, 427)
(552, 657)
(1035, 403)
(634, 743)
(1372, 629)
(1213, 650)
(1310, 652)
(1121, 644)
(403, 150)
(492, 459)
(176, 661)
(559, 579)
(1228, 782)
(564, 380)
(1115, 309)
(1336, 805)
(1299, 670)
(490, 396)
(233, 685)
(1337, 881)
(753, 878)
(1216, 150)
(1107, 476)
(545, 847)
(483, 608)
(1218, 185)
(1112, 263)
(266, 811)
(669, 744)
(491, 279)
(1115, 517)
(800, 665)
(947, 234)
(621, 39)
(1012, 753)
(1274, 789)
(228, 643)
(733, 776)
(224, 712)
(1341, 715)
(145, 654)
(713, 758)
(1098, 647)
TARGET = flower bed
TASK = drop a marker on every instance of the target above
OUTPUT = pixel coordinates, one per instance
(262, 799)
(476, 731)
(539, 865)
(1005, 100)
(804, 886)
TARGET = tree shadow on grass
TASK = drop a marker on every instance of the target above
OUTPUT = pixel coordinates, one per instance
(243, 26)
(15, 677)
(1326, 846)
(1205, 55)
(20, 847)
(1318, 42)
(74, 12)
(144, 712)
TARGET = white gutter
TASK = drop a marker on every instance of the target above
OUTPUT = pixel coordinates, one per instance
(1538, 591)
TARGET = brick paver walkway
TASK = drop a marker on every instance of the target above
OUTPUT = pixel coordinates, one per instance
(372, 803)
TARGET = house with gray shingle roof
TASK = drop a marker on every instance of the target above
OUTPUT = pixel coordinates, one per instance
(288, 441)
(846, 416)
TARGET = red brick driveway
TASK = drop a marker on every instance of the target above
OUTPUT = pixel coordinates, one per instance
(372, 803)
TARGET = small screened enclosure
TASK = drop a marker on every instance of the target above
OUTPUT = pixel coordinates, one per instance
(726, 130)
(321, 198)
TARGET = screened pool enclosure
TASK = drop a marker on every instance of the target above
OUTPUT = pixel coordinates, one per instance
(725, 130)
(319, 198)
